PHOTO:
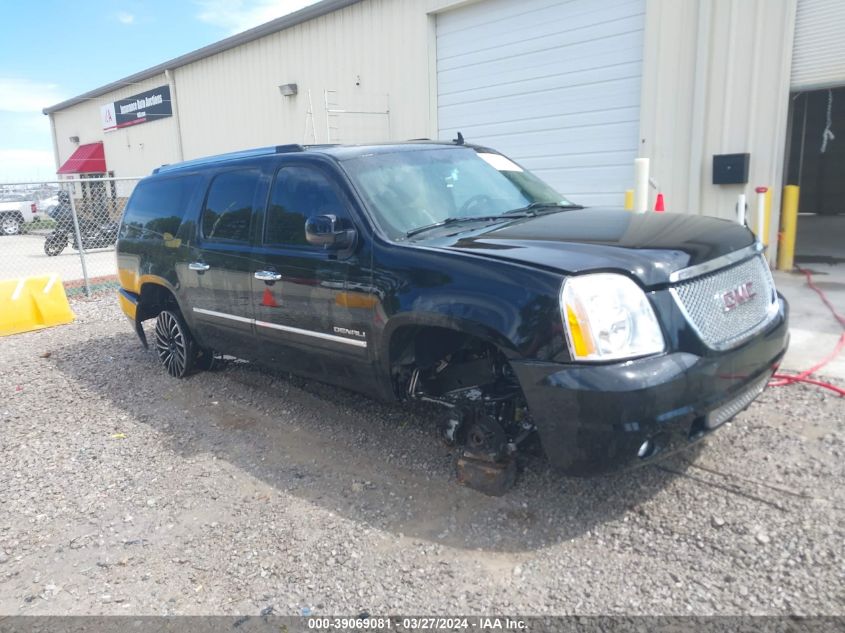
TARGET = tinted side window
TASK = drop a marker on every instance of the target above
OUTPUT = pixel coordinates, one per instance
(299, 193)
(228, 206)
(158, 206)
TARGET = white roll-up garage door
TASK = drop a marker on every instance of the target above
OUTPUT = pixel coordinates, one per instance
(554, 84)
(818, 54)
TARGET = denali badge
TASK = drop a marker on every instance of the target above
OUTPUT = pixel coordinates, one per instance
(348, 332)
(737, 296)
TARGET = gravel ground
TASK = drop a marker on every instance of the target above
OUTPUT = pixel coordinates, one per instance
(123, 491)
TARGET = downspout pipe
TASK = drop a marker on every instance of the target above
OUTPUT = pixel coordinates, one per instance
(699, 107)
(171, 80)
(55, 140)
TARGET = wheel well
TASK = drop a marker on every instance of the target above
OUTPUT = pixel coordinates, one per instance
(15, 214)
(422, 346)
(444, 359)
(153, 299)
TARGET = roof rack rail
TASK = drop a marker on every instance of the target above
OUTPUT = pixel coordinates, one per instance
(248, 153)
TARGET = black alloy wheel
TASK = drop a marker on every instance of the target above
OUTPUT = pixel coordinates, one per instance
(174, 344)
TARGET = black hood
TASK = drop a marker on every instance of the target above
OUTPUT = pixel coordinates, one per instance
(649, 246)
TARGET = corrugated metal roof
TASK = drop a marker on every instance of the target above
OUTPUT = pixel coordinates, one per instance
(279, 24)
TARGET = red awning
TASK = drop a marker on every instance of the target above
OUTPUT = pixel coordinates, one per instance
(87, 159)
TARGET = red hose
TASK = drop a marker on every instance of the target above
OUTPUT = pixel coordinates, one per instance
(804, 376)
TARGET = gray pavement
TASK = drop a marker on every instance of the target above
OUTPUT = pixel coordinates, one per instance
(813, 330)
(126, 492)
(23, 256)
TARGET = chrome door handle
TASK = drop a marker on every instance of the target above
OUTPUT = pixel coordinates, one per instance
(198, 266)
(267, 275)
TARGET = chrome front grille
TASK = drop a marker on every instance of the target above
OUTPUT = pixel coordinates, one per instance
(729, 305)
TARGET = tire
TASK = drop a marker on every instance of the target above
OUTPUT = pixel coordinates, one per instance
(10, 225)
(174, 344)
(54, 244)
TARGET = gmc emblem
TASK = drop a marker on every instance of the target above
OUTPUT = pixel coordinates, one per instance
(737, 296)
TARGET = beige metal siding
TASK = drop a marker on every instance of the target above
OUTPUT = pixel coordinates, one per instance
(716, 81)
(373, 54)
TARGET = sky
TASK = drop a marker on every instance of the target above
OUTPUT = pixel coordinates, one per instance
(52, 50)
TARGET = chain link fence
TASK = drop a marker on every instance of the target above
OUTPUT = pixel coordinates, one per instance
(66, 228)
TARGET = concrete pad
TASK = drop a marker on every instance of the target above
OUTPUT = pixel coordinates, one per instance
(23, 256)
(814, 330)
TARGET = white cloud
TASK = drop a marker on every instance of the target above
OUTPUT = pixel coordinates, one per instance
(23, 95)
(239, 15)
(26, 164)
(125, 18)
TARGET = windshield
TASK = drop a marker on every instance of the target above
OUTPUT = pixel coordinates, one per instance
(412, 189)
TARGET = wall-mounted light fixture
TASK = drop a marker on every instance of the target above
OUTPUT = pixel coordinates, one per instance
(74, 139)
(288, 90)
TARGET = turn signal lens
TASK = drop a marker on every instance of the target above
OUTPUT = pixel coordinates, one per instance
(582, 343)
(608, 317)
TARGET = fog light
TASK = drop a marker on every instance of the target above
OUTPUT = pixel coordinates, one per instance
(645, 449)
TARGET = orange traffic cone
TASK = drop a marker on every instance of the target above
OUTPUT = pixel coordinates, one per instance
(268, 300)
(659, 205)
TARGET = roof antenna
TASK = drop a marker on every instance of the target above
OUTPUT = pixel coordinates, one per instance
(459, 140)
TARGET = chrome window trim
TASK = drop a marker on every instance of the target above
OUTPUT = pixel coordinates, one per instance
(283, 328)
(715, 264)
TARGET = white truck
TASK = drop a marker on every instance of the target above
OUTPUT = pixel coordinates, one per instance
(15, 212)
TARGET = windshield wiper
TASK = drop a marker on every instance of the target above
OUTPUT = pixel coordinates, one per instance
(454, 220)
(526, 211)
(535, 207)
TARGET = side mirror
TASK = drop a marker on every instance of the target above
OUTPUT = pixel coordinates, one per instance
(325, 231)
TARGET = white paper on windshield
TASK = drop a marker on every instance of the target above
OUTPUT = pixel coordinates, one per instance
(502, 163)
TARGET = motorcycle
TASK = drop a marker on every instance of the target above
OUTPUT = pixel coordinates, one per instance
(94, 234)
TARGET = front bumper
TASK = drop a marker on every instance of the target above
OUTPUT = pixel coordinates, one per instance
(595, 418)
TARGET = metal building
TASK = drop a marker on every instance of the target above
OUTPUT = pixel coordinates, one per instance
(573, 89)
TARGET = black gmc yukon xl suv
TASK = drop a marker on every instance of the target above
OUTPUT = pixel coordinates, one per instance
(448, 273)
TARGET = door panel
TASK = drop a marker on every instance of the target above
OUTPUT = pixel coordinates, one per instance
(217, 274)
(220, 297)
(307, 320)
(309, 306)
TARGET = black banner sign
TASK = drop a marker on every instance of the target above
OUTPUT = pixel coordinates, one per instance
(140, 108)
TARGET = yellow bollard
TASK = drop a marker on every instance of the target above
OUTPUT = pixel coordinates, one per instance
(767, 221)
(629, 199)
(788, 227)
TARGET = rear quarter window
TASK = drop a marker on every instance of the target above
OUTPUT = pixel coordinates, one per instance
(158, 206)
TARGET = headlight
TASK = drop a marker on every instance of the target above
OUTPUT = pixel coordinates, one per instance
(608, 317)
